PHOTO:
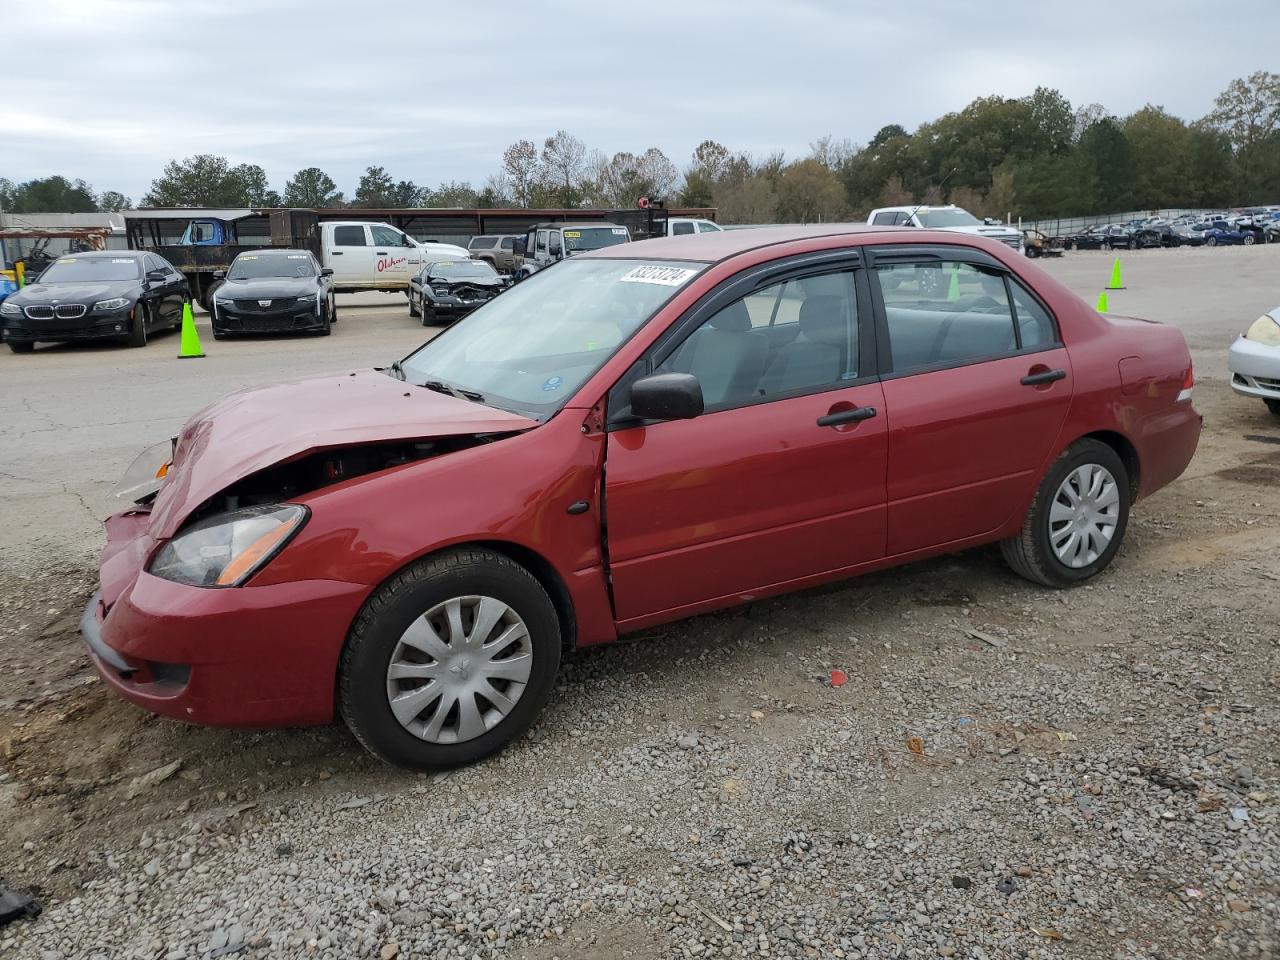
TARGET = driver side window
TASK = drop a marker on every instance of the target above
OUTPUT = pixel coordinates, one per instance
(387, 237)
(786, 339)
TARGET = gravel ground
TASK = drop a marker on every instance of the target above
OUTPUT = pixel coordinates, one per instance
(1007, 772)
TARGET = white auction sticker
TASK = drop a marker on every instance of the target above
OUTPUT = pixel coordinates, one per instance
(666, 276)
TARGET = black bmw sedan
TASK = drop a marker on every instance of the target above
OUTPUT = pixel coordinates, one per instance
(449, 289)
(274, 291)
(124, 294)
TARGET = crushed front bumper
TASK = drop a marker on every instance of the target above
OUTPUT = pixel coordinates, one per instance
(236, 656)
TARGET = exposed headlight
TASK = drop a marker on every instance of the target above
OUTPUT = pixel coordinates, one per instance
(309, 298)
(226, 550)
(115, 303)
(1265, 330)
(8, 309)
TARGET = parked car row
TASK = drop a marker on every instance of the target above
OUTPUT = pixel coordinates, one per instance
(1212, 231)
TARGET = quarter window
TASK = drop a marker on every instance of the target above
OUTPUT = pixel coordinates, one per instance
(786, 339)
(943, 312)
(1035, 326)
(706, 226)
(351, 236)
(681, 228)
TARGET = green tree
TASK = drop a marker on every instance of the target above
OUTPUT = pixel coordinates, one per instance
(312, 187)
(1161, 146)
(808, 191)
(1108, 174)
(749, 200)
(113, 202)
(376, 189)
(49, 195)
(455, 193)
(206, 180)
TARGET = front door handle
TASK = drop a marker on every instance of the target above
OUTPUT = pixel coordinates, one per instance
(1043, 377)
(847, 416)
(381, 253)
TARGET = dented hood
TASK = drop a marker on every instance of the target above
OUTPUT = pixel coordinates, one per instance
(260, 427)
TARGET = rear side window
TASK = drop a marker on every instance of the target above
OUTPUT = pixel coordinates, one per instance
(482, 243)
(681, 228)
(349, 236)
(889, 218)
(508, 243)
(943, 312)
(1035, 326)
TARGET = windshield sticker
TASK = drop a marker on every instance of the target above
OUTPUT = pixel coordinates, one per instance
(573, 234)
(666, 276)
(67, 260)
(620, 232)
(553, 383)
(247, 257)
(297, 256)
(122, 261)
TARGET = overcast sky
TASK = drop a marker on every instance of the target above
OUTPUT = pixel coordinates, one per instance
(108, 90)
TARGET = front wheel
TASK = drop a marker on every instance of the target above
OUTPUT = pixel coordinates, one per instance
(1077, 520)
(138, 332)
(1248, 240)
(414, 310)
(450, 660)
(1272, 405)
(1211, 241)
(1133, 245)
(21, 346)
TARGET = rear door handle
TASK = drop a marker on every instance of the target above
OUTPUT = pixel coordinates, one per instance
(336, 253)
(847, 416)
(1044, 376)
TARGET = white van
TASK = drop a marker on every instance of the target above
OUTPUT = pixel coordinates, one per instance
(377, 256)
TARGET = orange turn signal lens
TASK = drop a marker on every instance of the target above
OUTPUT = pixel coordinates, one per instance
(249, 557)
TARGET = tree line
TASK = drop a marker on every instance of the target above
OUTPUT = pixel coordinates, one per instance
(1035, 156)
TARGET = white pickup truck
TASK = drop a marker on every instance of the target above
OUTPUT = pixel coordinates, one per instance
(949, 217)
(377, 256)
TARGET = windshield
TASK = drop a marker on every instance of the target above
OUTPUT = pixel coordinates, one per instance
(947, 218)
(257, 267)
(578, 239)
(461, 269)
(530, 349)
(90, 269)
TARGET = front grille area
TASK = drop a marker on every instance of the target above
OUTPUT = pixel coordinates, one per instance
(277, 305)
(1267, 382)
(63, 311)
(1011, 242)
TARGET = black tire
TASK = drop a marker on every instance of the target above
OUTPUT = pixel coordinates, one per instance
(333, 309)
(413, 308)
(1104, 246)
(1272, 405)
(429, 318)
(1030, 553)
(362, 669)
(1249, 240)
(20, 346)
(1210, 241)
(219, 335)
(138, 332)
(1133, 245)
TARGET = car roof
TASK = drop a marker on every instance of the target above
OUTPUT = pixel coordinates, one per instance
(114, 254)
(711, 247)
(272, 252)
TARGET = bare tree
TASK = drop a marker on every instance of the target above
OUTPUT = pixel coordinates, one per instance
(832, 153)
(657, 174)
(520, 163)
(563, 164)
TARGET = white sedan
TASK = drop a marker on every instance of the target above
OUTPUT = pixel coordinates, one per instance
(1254, 361)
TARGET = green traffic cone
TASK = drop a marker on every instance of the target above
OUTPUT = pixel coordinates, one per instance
(1102, 306)
(1116, 282)
(953, 291)
(189, 349)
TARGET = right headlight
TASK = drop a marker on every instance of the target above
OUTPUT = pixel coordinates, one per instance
(227, 549)
(1265, 330)
(8, 309)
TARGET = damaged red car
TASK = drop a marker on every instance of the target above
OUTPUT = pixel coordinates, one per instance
(633, 436)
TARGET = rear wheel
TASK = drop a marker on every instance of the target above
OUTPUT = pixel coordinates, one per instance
(1248, 239)
(1077, 520)
(449, 660)
(1210, 241)
(141, 320)
(21, 347)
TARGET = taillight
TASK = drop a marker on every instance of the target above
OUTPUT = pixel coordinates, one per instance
(1188, 382)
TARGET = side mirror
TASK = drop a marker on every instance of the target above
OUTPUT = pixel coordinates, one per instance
(156, 276)
(667, 396)
(326, 271)
(219, 274)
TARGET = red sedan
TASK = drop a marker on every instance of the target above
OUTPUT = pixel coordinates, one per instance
(632, 436)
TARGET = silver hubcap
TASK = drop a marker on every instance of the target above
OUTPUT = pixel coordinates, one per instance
(459, 669)
(1084, 515)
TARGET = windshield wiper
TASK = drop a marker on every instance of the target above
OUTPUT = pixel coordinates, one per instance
(470, 395)
(439, 386)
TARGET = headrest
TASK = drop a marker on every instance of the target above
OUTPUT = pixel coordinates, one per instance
(732, 319)
(822, 320)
